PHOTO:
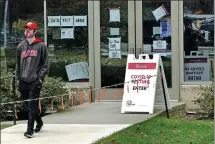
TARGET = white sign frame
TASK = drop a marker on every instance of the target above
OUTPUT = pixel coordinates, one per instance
(143, 99)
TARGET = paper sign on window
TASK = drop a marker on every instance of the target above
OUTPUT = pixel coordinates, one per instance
(80, 20)
(160, 12)
(159, 44)
(77, 71)
(196, 68)
(165, 29)
(66, 20)
(67, 33)
(114, 31)
(114, 47)
(53, 21)
(114, 14)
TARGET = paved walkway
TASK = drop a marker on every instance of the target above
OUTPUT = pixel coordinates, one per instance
(78, 125)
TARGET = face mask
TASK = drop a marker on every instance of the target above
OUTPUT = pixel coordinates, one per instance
(28, 34)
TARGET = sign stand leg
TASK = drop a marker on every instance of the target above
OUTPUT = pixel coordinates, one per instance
(164, 93)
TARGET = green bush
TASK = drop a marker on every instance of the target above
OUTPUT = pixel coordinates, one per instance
(206, 100)
(52, 86)
(6, 93)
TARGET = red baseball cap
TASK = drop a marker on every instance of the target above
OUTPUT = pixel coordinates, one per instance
(31, 25)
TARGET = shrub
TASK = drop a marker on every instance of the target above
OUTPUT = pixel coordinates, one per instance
(206, 100)
(52, 86)
(6, 92)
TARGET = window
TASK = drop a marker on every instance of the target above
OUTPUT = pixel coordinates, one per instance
(198, 40)
(67, 39)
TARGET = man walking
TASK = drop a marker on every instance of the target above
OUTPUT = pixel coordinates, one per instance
(31, 69)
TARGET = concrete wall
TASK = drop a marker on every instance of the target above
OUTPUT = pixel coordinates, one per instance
(188, 94)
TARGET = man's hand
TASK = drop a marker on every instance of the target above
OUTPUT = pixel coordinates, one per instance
(37, 84)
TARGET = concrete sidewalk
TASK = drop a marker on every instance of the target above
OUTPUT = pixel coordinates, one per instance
(78, 125)
(59, 134)
(94, 113)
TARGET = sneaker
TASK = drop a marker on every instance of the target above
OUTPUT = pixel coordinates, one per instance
(38, 128)
(29, 134)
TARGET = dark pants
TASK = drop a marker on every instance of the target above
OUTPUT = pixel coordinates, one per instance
(30, 91)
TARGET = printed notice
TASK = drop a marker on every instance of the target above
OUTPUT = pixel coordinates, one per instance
(77, 71)
(80, 20)
(196, 68)
(160, 12)
(159, 44)
(66, 20)
(114, 14)
(114, 31)
(165, 29)
(67, 33)
(53, 21)
(114, 47)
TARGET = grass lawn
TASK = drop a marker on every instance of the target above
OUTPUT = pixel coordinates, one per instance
(5, 126)
(161, 130)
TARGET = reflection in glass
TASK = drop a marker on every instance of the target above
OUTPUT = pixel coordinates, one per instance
(198, 40)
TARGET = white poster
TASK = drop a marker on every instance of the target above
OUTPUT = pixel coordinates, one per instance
(159, 44)
(114, 47)
(77, 71)
(196, 68)
(80, 20)
(160, 12)
(114, 31)
(67, 21)
(114, 14)
(67, 33)
(53, 21)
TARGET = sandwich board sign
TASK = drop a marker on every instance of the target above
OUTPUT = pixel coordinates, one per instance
(143, 88)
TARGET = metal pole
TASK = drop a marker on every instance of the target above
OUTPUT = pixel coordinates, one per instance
(5, 23)
(214, 54)
(45, 22)
(14, 96)
(164, 93)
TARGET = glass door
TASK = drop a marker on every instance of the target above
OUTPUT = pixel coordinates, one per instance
(131, 27)
(158, 33)
(113, 42)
